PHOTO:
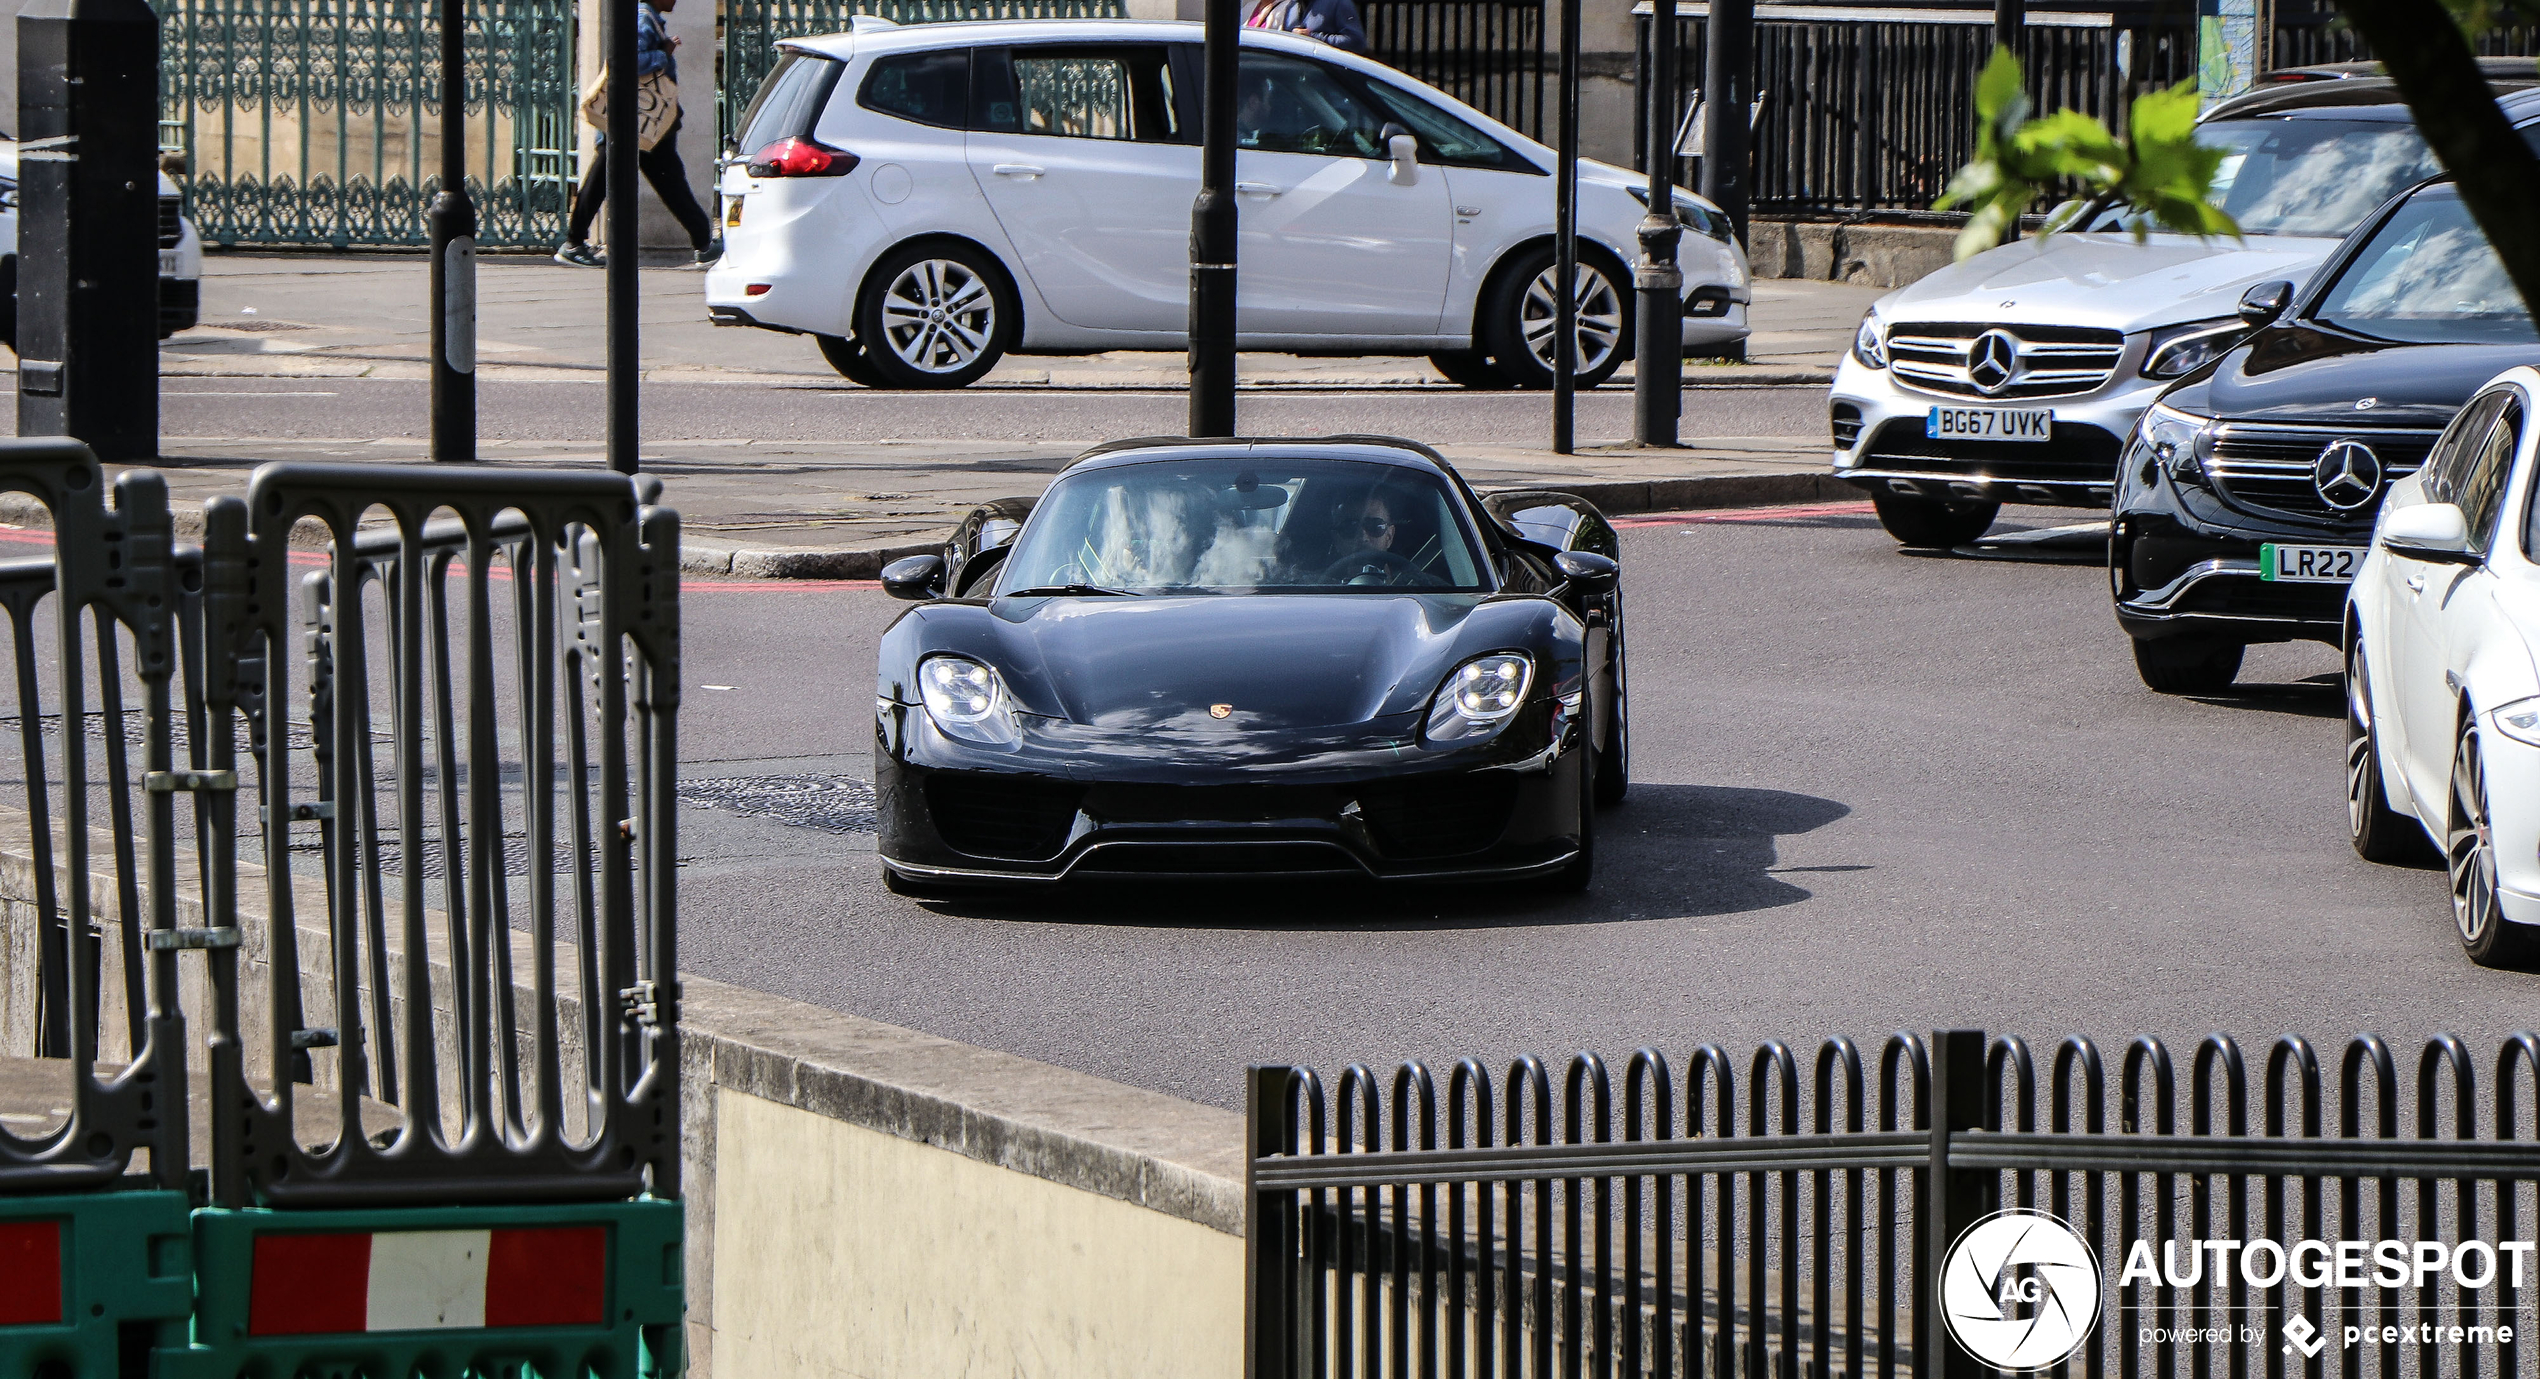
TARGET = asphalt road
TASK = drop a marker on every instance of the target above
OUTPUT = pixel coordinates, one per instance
(1871, 791)
(375, 408)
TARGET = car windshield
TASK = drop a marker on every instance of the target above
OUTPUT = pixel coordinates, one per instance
(1246, 525)
(2307, 177)
(2429, 275)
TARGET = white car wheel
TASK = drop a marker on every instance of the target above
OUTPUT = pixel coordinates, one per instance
(934, 317)
(1519, 320)
(2469, 851)
(1600, 317)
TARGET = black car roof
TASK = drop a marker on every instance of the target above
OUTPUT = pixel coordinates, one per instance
(1376, 449)
(2363, 98)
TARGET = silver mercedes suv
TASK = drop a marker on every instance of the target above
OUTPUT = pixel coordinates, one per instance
(2017, 375)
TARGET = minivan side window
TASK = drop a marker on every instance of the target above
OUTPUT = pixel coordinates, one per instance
(788, 101)
(1078, 92)
(2483, 488)
(929, 88)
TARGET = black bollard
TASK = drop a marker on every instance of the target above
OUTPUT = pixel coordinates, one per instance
(1213, 229)
(1658, 372)
(1565, 245)
(88, 225)
(453, 219)
(624, 356)
(1728, 94)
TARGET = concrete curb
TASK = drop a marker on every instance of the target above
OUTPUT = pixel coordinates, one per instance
(705, 557)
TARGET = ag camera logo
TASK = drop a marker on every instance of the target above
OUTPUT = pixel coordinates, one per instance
(2020, 1290)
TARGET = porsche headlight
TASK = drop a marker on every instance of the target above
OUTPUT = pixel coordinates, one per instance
(1479, 698)
(2182, 350)
(966, 700)
(2520, 720)
(1868, 344)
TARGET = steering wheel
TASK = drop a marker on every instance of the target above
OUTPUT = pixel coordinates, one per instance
(1358, 565)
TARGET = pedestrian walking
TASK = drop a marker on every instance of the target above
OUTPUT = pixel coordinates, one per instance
(1328, 21)
(655, 54)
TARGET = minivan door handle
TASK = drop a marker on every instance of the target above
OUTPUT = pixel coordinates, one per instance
(2415, 583)
(1258, 189)
(1022, 170)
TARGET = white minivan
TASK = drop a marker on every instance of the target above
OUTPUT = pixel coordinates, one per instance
(924, 200)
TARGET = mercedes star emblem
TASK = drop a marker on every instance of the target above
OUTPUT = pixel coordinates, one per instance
(2347, 475)
(1992, 360)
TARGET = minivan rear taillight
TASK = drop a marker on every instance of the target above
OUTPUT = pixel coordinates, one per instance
(800, 158)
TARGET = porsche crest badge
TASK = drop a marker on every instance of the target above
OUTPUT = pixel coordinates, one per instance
(1221, 710)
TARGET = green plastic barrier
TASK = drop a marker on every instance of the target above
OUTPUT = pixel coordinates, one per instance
(89, 1280)
(550, 1291)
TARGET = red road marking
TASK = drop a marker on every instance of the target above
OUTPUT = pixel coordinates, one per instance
(774, 586)
(1784, 512)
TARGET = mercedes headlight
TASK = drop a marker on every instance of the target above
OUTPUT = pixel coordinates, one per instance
(2182, 350)
(1479, 698)
(2172, 437)
(1868, 343)
(966, 700)
(2520, 720)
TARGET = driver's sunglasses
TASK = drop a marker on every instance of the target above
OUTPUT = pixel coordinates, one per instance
(1374, 526)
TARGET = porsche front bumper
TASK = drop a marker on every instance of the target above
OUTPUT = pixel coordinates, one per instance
(1369, 810)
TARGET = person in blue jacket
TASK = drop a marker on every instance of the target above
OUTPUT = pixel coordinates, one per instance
(655, 52)
(1329, 21)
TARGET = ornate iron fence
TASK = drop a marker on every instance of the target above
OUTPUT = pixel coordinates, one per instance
(314, 122)
(752, 29)
(1799, 1225)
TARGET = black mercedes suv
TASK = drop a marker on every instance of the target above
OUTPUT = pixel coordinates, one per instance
(2246, 495)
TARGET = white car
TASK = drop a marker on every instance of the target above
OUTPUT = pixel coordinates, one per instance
(2017, 375)
(180, 255)
(2442, 690)
(923, 200)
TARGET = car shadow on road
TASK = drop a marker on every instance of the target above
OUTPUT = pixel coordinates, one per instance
(1669, 851)
(2313, 696)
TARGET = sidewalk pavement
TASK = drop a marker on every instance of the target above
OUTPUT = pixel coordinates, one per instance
(839, 510)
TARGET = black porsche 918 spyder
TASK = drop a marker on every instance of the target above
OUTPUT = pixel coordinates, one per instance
(1238, 658)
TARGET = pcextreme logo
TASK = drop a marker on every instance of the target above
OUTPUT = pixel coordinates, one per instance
(2020, 1290)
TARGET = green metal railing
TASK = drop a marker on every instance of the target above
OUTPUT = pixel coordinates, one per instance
(752, 28)
(312, 122)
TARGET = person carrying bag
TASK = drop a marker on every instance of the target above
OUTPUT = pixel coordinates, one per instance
(657, 121)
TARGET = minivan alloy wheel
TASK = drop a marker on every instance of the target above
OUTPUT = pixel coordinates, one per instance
(938, 316)
(1600, 316)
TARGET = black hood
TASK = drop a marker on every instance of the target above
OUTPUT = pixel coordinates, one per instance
(2305, 372)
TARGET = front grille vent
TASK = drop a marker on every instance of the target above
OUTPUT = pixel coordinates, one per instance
(1013, 817)
(1438, 818)
(2051, 361)
(171, 227)
(2270, 467)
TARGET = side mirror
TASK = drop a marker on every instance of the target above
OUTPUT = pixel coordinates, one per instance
(2429, 531)
(1592, 573)
(2263, 302)
(1404, 150)
(914, 577)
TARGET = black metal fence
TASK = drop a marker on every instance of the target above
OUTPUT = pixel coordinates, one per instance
(2296, 1214)
(1489, 54)
(1864, 112)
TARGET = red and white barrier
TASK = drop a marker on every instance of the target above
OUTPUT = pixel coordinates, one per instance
(428, 1280)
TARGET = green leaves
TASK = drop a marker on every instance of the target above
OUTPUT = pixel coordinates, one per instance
(2157, 173)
